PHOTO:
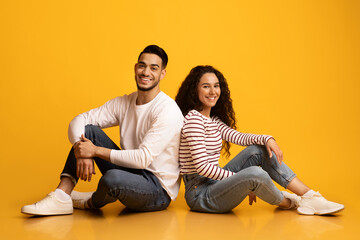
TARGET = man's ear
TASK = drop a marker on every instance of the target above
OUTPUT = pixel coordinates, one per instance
(163, 73)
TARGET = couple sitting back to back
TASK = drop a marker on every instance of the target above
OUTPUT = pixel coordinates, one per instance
(143, 174)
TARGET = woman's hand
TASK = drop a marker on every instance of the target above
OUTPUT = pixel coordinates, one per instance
(252, 198)
(271, 146)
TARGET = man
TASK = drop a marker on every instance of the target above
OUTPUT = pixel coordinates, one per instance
(144, 174)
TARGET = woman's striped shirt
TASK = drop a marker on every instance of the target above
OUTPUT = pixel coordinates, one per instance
(201, 143)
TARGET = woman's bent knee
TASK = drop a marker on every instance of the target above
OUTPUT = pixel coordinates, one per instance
(258, 175)
(256, 150)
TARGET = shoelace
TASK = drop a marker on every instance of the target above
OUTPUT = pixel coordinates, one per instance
(44, 199)
(316, 194)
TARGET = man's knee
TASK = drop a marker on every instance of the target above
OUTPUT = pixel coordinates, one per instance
(118, 184)
(90, 130)
(111, 179)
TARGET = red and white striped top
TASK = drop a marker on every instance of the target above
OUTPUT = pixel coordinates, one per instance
(201, 143)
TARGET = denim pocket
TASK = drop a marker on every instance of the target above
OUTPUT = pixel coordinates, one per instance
(192, 190)
(190, 197)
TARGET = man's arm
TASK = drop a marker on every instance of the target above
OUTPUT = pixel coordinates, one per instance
(85, 168)
(165, 127)
(154, 143)
(85, 149)
(104, 116)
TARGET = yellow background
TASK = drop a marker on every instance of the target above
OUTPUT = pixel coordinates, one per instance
(292, 67)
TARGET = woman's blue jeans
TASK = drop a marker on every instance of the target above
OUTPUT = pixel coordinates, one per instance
(137, 189)
(254, 172)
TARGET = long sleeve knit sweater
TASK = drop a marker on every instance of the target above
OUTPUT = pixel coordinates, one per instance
(149, 135)
(201, 144)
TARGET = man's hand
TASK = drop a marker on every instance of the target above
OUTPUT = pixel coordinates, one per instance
(85, 168)
(271, 146)
(84, 151)
(252, 198)
(84, 148)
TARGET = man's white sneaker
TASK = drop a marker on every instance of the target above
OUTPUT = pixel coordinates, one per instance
(79, 199)
(295, 200)
(50, 205)
(318, 205)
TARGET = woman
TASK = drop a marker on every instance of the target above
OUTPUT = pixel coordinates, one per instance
(209, 126)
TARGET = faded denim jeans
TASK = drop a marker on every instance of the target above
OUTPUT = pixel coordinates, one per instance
(254, 172)
(137, 189)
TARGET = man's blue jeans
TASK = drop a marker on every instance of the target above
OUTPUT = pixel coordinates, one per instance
(254, 172)
(137, 189)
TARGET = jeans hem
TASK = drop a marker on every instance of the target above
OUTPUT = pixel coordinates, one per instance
(289, 179)
(69, 176)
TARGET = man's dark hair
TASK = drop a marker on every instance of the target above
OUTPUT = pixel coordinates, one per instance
(154, 49)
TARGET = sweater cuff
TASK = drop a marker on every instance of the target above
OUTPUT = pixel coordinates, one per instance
(112, 156)
(267, 138)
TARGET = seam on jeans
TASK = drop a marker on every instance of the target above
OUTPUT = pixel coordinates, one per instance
(287, 180)
(241, 167)
(230, 189)
(196, 188)
(255, 154)
(153, 194)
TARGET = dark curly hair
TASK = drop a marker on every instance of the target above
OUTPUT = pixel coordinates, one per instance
(187, 98)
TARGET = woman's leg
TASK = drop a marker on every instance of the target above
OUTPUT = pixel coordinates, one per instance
(298, 187)
(257, 155)
(310, 202)
(222, 196)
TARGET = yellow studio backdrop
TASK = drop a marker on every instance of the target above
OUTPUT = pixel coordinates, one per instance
(292, 67)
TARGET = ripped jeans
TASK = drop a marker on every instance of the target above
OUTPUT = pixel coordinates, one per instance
(137, 189)
(254, 172)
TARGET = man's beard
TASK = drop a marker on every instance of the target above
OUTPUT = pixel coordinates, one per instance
(147, 89)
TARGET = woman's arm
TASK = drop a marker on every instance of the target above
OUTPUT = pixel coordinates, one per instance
(271, 146)
(246, 139)
(194, 134)
(243, 139)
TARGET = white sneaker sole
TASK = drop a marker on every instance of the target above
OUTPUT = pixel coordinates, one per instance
(311, 211)
(46, 213)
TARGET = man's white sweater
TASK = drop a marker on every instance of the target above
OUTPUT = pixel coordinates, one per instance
(149, 135)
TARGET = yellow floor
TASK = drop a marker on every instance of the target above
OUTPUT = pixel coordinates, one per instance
(261, 221)
(293, 71)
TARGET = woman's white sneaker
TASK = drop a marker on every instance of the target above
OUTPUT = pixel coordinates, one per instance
(318, 205)
(295, 200)
(50, 205)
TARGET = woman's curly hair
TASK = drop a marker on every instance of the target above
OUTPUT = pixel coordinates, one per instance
(187, 98)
